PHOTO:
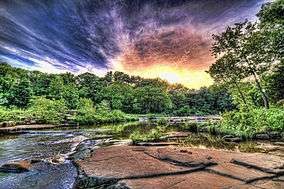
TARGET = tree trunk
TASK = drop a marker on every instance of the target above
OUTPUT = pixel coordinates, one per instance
(242, 95)
(263, 93)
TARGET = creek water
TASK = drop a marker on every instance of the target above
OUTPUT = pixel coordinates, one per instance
(46, 146)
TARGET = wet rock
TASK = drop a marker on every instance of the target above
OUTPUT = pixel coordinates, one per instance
(58, 159)
(16, 167)
(203, 129)
(274, 135)
(262, 136)
(175, 135)
(95, 137)
(43, 176)
(123, 142)
(82, 151)
(279, 143)
(156, 143)
(7, 124)
(231, 138)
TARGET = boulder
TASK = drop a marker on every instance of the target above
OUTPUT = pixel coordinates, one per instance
(274, 135)
(232, 138)
(8, 124)
(262, 136)
(16, 167)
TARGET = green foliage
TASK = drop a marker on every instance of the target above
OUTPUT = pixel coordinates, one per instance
(44, 110)
(248, 122)
(20, 94)
(70, 95)
(56, 88)
(119, 96)
(115, 91)
(153, 135)
(16, 115)
(151, 100)
(162, 121)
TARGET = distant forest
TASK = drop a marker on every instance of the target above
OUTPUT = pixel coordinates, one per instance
(130, 94)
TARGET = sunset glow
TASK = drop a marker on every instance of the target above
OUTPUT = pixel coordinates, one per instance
(170, 39)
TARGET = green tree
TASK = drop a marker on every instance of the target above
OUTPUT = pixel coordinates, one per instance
(20, 93)
(70, 95)
(56, 87)
(151, 100)
(246, 49)
(119, 96)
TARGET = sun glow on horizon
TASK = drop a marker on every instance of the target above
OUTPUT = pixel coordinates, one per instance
(173, 74)
(170, 77)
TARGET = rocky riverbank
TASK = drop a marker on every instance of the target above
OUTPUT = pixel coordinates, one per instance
(178, 167)
(99, 161)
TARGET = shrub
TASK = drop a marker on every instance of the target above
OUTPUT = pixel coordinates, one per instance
(17, 115)
(248, 122)
(153, 135)
(47, 111)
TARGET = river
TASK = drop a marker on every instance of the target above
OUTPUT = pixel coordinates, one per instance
(52, 148)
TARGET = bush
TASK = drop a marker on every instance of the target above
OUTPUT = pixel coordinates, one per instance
(88, 114)
(153, 135)
(249, 122)
(47, 111)
(16, 115)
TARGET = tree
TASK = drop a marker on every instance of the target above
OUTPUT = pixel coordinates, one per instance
(90, 86)
(246, 47)
(275, 83)
(56, 87)
(226, 72)
(119, 96)
(151, 100)
(70, 95)
(20, 93)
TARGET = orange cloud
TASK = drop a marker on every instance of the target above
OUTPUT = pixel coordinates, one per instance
(176, 55)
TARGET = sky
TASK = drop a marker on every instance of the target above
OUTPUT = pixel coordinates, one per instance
(170, 39)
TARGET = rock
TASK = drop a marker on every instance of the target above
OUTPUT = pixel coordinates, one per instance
(159, 167)
(279, 143)
(274, 135)
(123, 142)
(239, 172)
(231, 138)
(175, 135)
(43, 175)
(16, 167)
(262, 136)
(262, 162)
(203, 129)
(156, 143)
(8, 124)
(57, 159)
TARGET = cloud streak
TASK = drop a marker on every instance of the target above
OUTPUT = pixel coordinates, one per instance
(134, 36)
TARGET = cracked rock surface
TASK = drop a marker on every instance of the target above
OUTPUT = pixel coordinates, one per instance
(170, 167)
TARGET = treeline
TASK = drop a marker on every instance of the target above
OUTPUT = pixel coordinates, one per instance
(116, 91)
(250, 63)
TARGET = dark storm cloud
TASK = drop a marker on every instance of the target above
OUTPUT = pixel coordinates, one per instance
(69, 34)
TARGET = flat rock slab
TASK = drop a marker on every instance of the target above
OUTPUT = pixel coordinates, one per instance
(239, 172)
(180, 156)
(263, 162)
(179, 167)
(124, 161)
(270, 184)
(196, 180)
